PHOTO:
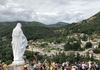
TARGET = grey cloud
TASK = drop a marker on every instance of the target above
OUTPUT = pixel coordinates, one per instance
(48, 11)
(11, 15)
(3, 2)
(62, 16)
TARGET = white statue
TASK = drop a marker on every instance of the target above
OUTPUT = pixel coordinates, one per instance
(19, 43)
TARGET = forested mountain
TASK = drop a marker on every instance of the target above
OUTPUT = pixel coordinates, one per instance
(7, 27)
(88, 26)
(13, 24)
(59, 24)
(36, 30)
(33, 30)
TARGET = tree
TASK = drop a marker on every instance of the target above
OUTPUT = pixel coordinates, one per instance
(97, 51)
(67, 46)
(76, 46)
(99, 45)
(88, 45)
(87, 57)
(77, 57)
(84, 38)
(71, 57)
(92, 57)
(29, 55)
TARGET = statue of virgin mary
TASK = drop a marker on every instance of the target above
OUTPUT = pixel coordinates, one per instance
(19, 43)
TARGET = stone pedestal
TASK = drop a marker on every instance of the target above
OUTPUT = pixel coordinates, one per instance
(18, 67)
(15, 67)
(19, 62)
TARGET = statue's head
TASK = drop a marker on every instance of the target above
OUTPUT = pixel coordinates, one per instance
(19, 24)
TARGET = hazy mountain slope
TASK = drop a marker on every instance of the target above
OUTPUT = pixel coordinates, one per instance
(33, 30)
(59, 24)
(88, 26)
(37, 30)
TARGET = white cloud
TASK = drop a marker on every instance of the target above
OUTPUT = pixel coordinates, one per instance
(48, 11)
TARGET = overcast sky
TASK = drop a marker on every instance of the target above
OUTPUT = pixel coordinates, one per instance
(48, 11)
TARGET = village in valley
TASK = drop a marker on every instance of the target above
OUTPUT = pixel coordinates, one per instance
(54, 48)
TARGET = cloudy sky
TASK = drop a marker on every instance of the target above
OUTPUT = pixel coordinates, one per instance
(48, 11)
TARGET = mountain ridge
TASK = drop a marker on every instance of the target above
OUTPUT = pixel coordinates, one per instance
(37, 30)
(87, 26)
(59, 24)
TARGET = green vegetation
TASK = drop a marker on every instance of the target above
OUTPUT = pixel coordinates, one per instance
(59, 24)
(47, 47)
(89, 26)
(97, 50)
(6, 54)
(84, 38)
(72, 44)
(88, 45)
(72, 57)
(37, 31)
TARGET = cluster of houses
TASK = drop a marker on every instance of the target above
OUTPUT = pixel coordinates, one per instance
(95, 43)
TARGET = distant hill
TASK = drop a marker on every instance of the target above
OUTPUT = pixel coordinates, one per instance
(49, 35)
(10, 25)
(7, 27)
(88, 26)
(33, 30)
(59, 24)
(34, 23)
(36, 30)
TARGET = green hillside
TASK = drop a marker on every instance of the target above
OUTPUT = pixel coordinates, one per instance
(59, 24)
(7, 27)
(36, 30)
(13, 24)
(88, 26)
